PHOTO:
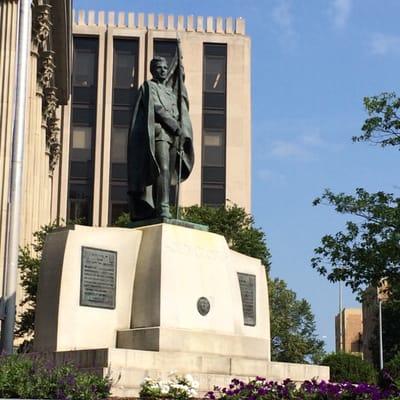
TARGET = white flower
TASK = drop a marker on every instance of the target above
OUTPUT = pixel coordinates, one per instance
(164, 389)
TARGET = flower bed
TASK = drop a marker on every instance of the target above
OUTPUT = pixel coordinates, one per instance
(262, 389)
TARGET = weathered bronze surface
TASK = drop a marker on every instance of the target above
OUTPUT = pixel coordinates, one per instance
(160, 148)
(98, 278)
(247, 283)
(203, 306)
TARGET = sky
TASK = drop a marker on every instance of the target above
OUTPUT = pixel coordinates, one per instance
(313, 61)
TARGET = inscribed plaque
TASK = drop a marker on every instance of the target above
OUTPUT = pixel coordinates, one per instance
(98, 278)
(247, 285)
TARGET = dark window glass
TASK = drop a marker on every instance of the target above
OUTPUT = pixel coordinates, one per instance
(165, 48)
(83, 115)
(125, 63)
(214, 174)
(125, 84)
(122, 117)
(213, 195)
(84, 95)
(119, 172)
(215, 74)
(213, 120)
(119, 193)
(82, 139)
(214, 148)
(123, 97)
(117, 209)
(214, 124)
(85, 62)
(214, 100)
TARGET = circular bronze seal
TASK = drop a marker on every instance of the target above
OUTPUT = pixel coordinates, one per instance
(203, 306)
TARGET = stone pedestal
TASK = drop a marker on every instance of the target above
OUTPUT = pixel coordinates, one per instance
(155, 299)
(64, 321)
(179, 270)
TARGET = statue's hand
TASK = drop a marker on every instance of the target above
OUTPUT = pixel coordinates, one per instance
(179, 132)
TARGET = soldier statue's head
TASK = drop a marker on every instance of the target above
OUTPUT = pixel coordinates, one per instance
(159, 68)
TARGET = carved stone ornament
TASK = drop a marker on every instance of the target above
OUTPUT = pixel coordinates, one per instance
(51, 122)
(50, 103)
(47, 68)
(41, 24)
(53, 142)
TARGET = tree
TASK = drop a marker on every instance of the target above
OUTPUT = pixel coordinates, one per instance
(368, 250)
(383, 125)
(29, 264)
(293, 337)
(390, 329)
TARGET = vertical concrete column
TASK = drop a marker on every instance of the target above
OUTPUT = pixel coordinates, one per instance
(8, 38)
(30, 193)
(97, 182)
(107, 127)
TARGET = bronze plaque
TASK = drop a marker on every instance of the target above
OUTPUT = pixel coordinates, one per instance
(203, 306)
(98, 278)
(247, 283)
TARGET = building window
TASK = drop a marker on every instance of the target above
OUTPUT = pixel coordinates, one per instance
(125, 84)
(83, 129)
(214, 125)
(165, 48)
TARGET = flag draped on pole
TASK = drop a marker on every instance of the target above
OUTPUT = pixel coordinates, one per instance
(176, 80)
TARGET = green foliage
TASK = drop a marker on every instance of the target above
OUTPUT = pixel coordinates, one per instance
(236, 225)
(390, 328)
(30, 378)
(393, 368)
(28, 265)
(368, 250)
(346, 367)
(293, 337)
(123, 221)
(383, 125)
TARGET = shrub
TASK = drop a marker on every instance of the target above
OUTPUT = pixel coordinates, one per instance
(30, 378)
(393, 369)
(346, 367)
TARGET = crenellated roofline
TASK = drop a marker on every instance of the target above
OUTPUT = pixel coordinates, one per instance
(160, 22)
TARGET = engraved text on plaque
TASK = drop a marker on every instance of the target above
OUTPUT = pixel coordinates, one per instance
(98, 278)
(247, 285)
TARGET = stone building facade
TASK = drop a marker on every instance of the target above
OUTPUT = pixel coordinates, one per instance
(112, 52)
(352, 333)
(75, 146)
(47, 90)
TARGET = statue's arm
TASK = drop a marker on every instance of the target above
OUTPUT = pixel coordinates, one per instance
(162, 116)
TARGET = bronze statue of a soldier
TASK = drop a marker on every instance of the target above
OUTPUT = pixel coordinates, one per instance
(160, 148)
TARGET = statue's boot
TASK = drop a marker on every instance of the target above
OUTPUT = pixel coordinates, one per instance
(162, 201)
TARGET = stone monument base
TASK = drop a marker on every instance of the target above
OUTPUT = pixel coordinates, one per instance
(128, 368)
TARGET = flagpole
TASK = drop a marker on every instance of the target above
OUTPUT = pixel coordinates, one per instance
(180, 147)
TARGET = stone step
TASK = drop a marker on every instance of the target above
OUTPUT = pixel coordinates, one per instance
(128, 368)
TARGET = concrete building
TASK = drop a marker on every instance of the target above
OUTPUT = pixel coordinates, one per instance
(48, 88)
(352, 331)
(112, 53)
